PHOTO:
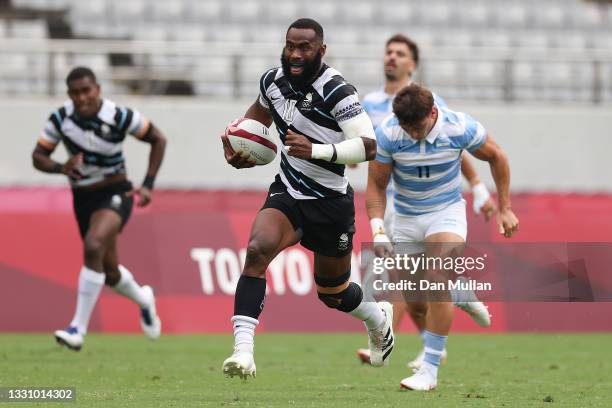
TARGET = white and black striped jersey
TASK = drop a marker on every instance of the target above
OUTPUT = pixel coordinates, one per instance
(99, 138)
(317, 113)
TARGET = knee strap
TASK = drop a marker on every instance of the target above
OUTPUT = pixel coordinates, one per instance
(345, 301)
(332, 282)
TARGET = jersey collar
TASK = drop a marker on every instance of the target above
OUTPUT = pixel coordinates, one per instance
(435, 131)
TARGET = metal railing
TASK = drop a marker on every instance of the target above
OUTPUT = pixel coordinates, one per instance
(232, 69)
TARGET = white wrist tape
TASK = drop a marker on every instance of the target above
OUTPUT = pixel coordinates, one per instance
(481, 195)
(378, 226)
(350, 151)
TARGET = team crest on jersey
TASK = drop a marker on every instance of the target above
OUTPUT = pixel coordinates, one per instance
(343, 242)
(106, 131)
(306, 104)
(442, 142)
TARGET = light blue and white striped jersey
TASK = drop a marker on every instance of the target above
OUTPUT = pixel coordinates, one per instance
(427, 173)
(379, 104)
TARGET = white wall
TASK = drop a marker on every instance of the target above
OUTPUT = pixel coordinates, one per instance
(552, 148)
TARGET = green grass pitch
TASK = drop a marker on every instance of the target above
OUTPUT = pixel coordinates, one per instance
(313, 370)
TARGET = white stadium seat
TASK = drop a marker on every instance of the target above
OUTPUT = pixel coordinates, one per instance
(244, 11)
(493, 39)
(397, 12)
(226, 33)
(436, 14)
(167, 10)
(510, 14)
(187, 32)
(548, 15)
(32, 29)
(477, 15)
(213, 76)
(281, 13)
(129, 12)
(204, 11)
(324, 11)
(532, 39)
(587, 16)
(359, 12)
(457, 38)
(89, 12)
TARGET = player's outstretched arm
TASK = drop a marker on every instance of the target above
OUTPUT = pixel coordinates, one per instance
(239, 160)
(482, 201)
(376, 202)
(42, 161)
(500, 170)
(158, 148)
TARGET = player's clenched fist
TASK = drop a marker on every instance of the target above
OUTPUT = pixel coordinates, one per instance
(71, 167)
(298, 145)
(507, 222)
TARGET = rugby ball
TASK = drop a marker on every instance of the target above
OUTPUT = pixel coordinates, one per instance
(253, 138)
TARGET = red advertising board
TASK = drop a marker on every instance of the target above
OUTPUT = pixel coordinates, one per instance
(189, 245)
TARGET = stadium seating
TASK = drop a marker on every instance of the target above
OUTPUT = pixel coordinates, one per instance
(476, 27)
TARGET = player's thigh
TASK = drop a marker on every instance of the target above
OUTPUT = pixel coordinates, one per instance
(417, 308)
(272, 232)
(104, 225)
(330, 266)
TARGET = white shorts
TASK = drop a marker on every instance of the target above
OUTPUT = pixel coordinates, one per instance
(414, 229)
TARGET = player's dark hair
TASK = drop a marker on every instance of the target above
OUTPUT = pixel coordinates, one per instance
(412, 104)
(80, 72)
(401, 38)
(308, 23)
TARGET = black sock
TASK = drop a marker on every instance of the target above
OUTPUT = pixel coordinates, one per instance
(250, 295)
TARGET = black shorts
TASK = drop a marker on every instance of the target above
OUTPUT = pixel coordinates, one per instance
(326, 225)
(85, 202)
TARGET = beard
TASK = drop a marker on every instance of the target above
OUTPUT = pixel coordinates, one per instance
(390, 77)
(310, 70)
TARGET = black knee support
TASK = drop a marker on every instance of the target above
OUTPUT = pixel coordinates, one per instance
(345, 301)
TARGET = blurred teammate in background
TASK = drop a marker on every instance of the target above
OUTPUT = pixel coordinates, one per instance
(421, 144)
(400, 62)
(93, 130)
(323, 126)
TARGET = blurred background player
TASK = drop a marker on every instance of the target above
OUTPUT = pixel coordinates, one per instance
(400, 63)
(93, 130)
(423, 135)
(323, 126)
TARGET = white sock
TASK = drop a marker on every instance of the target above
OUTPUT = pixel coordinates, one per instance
(432, 368)
(128, 287)
(90, 285)
(244, 333)
(371, 314)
